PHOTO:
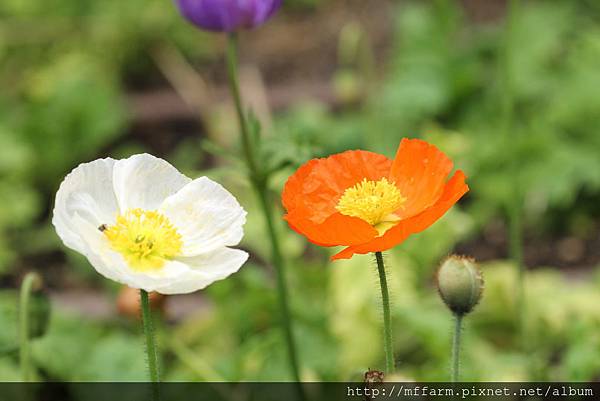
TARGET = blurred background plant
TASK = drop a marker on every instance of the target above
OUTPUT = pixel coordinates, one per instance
(87, 79)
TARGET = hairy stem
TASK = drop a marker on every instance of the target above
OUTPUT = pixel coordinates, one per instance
(150, 341)
(259, 184)
(455, 370)
(30, 281)
(387, 317)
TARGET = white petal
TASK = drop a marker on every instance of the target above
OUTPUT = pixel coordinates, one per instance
(97, 250)
(206, 215)
(180, 276)
(204, 270)
(113, 266)
(144, 181)
(87, 192)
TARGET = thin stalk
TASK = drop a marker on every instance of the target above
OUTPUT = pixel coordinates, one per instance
(150, 341)
(387, 317)
(455, 372)
(234, 87)
(259, 184)
(30, 282)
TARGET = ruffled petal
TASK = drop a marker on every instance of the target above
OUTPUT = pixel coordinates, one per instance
(452, 192)
(311, 194)
(144, 181)
(206, 216)
(336, 230)
(86, 192)
(204, 270)
(96, 249)
(331, 176)
(419, 171)
(113, 266)
(292, 193)
(179, 276)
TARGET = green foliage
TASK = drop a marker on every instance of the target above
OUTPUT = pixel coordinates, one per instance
(77, 349)
(67, 68)
(8, 319)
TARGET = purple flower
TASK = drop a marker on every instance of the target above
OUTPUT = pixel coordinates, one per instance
(227, 15)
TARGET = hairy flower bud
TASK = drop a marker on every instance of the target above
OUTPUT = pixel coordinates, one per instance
(460, 284)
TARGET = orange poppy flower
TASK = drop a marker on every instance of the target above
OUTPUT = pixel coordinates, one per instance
(369, 203)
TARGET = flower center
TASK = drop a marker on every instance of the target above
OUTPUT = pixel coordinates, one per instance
(146, 239)
(373, 201)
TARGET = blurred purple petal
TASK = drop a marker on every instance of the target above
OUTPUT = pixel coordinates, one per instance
(228, 15)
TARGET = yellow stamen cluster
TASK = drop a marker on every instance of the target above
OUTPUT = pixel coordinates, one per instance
(146, 239)
(374, 202)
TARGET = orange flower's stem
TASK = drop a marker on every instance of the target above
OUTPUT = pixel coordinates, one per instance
(387, 317)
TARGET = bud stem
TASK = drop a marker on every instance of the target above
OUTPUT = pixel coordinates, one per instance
(30, 282)
(455, 370)
(150, 342)
(387, 319)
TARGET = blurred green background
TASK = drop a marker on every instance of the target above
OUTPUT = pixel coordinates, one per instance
(518, 109)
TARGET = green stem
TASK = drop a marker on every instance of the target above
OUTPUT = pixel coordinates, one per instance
(30, 282)
(456, 349)
(387, 317)
(150, 340)
(260, 187)
(234, 87)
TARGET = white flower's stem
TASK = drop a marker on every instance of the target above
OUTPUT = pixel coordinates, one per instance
(151, 354)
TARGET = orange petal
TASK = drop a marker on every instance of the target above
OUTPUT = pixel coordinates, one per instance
(311, 194)
(452, 192)
(336, 230)
(420, 171)
(318, 185)
(293, 187)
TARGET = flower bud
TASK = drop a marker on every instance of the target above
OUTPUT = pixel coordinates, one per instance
(460, 284)
(227, 15)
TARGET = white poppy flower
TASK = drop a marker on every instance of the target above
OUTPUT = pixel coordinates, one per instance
(142, 223)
